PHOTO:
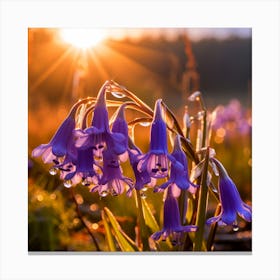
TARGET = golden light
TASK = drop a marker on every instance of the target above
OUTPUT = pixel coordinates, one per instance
(82, 38)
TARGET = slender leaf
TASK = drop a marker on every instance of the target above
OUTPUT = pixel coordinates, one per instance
(125, 243)
(149, 217)
(109, 236)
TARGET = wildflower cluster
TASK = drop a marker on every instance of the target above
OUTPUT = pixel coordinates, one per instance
(89, 148)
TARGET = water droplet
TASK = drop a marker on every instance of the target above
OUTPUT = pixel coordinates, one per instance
(114, 193)
(103, 193)
(145, 124)
(86, 183)
(235, 227)
(200, 115)
(95, 226)
(67, 183)
(117, 94)
(53, 171)
(143, 195)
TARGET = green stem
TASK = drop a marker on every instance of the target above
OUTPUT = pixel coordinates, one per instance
(142, 225)
(132, 96)
(183, 201)
(202, 203)
(183, 205)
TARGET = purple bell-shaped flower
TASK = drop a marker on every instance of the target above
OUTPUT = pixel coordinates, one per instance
(156, 161)
(112, 180)
(230, 200)
(171, 221)
(179, 179)
(133, 152)
(60, 143)
(98, 136)
(84, 171)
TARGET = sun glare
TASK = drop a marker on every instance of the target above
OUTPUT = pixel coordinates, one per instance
(82, 38)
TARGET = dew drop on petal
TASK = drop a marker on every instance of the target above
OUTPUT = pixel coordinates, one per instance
(103, 193)
(235, 227)
(53, 171)
(67, 183)
(114, 193)
(143, 195)
(85, 183)
(117, 94)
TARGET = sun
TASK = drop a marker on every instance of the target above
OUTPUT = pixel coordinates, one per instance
(82, 38)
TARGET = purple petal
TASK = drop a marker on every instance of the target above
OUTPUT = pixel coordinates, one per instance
(48, 156)
(213, 220)
(156, 236)
(40, 149)
(245, 211)
(189, 228)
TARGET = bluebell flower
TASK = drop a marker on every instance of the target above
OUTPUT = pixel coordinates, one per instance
(156, 161)
(142, 178)
(230, 200)
(84, 171)
(133, 152)
(112, 180)
(179, 179)
(120, 127)
(171, 221)
(60, 143)
(98, 135)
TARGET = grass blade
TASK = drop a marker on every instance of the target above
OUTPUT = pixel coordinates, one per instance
(108, 233)
(124, 241)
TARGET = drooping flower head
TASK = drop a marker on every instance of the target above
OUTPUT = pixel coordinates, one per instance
(179, 179)
(120, 127)
(98, 135)
(230, 200)
(156, 161)
(62, 142)
(83, 171)
(112, 180)
(171, 221)
(133, 152)
(142, 178)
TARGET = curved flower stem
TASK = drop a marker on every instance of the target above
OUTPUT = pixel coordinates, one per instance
(202, 203)
(132, 96)
(140, 120)
(173, 118)
(213, 230)
(79, 103)
(143, 242)
(80, 216)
